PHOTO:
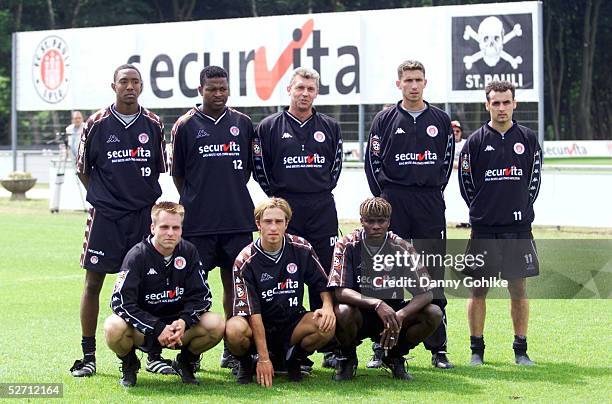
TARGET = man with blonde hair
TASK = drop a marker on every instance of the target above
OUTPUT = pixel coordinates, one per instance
(269, 316)
(161, 300)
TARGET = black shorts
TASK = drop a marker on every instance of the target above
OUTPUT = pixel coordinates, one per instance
(417, 213)
(220, 250)
(315, 219)
(107, 241)
(373, 326)
(506, 255)
(278, 335)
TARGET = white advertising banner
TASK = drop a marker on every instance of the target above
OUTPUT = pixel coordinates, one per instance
(578, 148)
(357, 54)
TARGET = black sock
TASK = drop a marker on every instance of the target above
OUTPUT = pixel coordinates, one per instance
(187, 356)
(88, 344)
(477, 345)
(520, 345)
(154, 354)
(129, 357)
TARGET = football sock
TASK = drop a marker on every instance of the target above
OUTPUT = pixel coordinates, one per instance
(88, 344)
(520, 345)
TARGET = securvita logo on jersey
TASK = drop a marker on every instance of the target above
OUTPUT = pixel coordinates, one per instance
(427, 157)
(231, 147)
(266, 75)
(287, 286)
(508, 173)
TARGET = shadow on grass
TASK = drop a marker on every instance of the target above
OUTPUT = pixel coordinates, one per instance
(368, 384)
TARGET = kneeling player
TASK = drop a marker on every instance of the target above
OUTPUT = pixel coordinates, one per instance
(269, 278)
(369, 309)
(162, 298)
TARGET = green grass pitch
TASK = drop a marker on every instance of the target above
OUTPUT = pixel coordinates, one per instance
(41, 284)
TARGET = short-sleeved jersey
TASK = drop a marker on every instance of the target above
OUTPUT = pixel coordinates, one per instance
(213, 157)
(351, 270)
(151, 292)
(290, 156)
(408, 152)
(499, 178)
(274, 287)
(123, 161)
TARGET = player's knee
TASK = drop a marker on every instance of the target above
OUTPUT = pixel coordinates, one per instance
(114, 328)
(213, 324)
(433, 315)
(517, 289)
(345, 314)
(93, 283)
(236, 328)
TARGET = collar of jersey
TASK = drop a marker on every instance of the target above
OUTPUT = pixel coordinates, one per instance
(149, 244)
(215, 121)
(116, 115)
(492, 129)
(290, 115)
(365, 245)
(403, 111)
(260, 249)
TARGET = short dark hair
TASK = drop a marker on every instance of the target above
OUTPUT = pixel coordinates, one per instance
(409, 65)
(126, 66)
(210, 72)
(499, 87)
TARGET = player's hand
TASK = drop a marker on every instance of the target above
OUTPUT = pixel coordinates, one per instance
(178, 329)
(388, 317)
(389, 338)
(164, 337)
(327, 318)
(264, 372)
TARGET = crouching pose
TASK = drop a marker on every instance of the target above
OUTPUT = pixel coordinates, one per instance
(269, 316)
(161, 299)
(370, 306)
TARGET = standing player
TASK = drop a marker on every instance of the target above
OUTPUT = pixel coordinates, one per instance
(297, 155)
(499, 178)
(161, 299)
(211, 166)
(408, 162)
(269, 279)
(367, 308)
(121, 154)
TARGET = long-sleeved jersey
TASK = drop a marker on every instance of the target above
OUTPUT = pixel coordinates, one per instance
(274, 287)
(408, 152)
(151, 292)
(355, 268)
(290, 156)
(213, 158)
(123, 161)
(499, 178)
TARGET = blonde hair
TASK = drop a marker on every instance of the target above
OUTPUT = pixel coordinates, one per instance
(409, 65)
(375, 207)
(270, 203)
(170, 207)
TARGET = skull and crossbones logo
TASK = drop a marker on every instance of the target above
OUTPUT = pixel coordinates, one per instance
(491, 40)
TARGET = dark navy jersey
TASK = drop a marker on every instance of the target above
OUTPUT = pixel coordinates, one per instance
(151, 292)
(213, 158)
(407, 152)
(499, 178)
(351, 270)
(291, 157)
(123, 161)
(274, 287)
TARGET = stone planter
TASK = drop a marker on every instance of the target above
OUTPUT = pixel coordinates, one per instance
(18, 188)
